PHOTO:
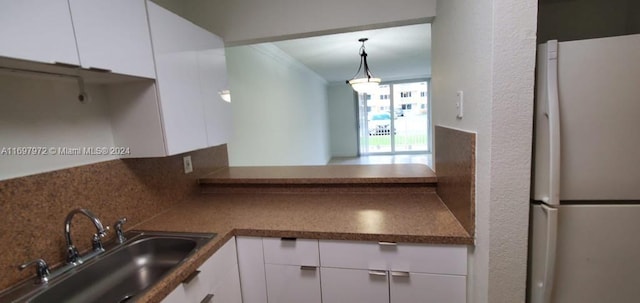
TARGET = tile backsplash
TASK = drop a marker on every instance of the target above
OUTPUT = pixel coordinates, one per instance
(34, 208)
(455, 159)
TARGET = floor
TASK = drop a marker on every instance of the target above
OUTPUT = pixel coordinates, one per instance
(384, 159)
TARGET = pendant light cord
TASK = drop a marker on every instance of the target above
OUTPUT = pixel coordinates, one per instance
(363, 61)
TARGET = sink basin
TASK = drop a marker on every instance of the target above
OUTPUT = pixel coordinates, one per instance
(124, 271)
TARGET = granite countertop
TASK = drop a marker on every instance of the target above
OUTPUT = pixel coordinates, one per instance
(410, 216)
(326, 174)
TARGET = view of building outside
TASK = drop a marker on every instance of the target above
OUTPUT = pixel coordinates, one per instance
(395, 119)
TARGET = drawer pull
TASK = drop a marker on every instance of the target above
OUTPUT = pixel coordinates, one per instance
(66, 64)
(385, 243)
(207, 299)
(288, 239)
(101, 70)
(404, 274)
(190, 277)
(378, 273)
(307, 267)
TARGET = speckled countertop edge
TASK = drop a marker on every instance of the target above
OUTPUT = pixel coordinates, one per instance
(328, 174)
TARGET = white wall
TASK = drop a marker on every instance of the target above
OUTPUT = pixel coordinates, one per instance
(342, 120)
(279, 109)
(250, 21)
(44, 112)
(487, 49)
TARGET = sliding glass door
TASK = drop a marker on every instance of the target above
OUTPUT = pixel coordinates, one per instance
(395, 119)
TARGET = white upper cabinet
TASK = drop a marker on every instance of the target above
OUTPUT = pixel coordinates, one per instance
(37, 30)
(213, 79)
(113, 35)
(190, 69)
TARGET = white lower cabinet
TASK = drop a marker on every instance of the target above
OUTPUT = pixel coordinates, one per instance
(292, 283)
(291, 270)
(341, 285)
(288, 270)
(227, 290)
(251, 264)
(217, 280)
(392, 272)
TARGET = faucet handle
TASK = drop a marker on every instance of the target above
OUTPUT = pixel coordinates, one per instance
(96, 241)
(119, 232)
(42, 269)
(73, 256)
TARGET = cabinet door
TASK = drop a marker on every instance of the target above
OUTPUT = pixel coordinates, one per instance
(113, 35)
(176, 296)
(427, 288)
(251, 265)
(292, 283)
(213, 78)
(37, 30)
(227, 290)
(217, 277)
(176, 43)
(341, 285)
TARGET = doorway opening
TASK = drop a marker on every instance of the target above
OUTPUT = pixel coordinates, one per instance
(395, 119)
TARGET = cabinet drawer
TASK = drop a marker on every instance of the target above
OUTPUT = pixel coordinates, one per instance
(290, 251)
(354, 285)
(416, 287)
(419, 258)
(292, 283)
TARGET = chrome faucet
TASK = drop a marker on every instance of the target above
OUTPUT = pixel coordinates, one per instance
(73, 256)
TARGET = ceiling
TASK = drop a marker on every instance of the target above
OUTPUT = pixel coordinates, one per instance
(393, 53)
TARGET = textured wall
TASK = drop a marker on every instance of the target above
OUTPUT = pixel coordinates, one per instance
(513, 71)
(461, 60)
(34, 208)
(487, 49)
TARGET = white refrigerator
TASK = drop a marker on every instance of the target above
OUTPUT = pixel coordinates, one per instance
(585, 212)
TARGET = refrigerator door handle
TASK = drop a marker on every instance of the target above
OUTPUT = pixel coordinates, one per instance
(553, 114)
(545, 287)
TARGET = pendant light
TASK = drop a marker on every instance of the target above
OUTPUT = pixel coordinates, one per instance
(367, 83)
(225, 95)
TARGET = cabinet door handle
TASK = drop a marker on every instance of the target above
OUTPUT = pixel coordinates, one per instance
(207, 299)
(288, 239)
(385, 243)
(66, 64)
(378, 272)
(97, 69)
(307, 267)
(190, 277)
(405, 274)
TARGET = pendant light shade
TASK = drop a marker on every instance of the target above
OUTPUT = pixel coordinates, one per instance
(367, 82)
(225, 95)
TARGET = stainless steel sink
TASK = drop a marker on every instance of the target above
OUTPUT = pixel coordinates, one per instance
(124, 271)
